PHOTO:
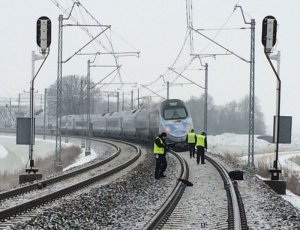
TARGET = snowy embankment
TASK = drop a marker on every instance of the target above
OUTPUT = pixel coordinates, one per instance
(237, 145)
(13, 157)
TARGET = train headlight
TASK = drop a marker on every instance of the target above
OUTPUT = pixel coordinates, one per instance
(168, 129)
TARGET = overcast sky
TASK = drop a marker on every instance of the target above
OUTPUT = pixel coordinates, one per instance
(157, 29)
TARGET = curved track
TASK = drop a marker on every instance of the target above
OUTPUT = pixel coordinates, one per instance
(204, 205)
(21, 200)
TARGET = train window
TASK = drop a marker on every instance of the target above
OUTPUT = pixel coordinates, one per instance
(175, 113)
(173, 103)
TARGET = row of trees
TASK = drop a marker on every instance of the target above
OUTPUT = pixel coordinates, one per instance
(74, 97)
(232, 117)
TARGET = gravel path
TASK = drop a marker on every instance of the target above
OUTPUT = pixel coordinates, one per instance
(126, 203)
(203, 205)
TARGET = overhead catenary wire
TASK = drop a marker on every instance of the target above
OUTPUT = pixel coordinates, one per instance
(111, 45)
(83, 11)
(176, 59)
(55, 2)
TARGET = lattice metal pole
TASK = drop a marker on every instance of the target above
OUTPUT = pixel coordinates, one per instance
(118, 102)
(206, 95)
(88, 130)
(45, 100)
(58, 161)
(251, 97)
(82, 112)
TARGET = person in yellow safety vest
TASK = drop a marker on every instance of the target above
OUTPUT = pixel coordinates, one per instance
(159, 150)
(191, 140)
(201, 147)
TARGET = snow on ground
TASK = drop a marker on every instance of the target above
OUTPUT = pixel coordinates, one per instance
(226, 143)
(14, 158)
(292, 198)
(82, 159)
(238, 145)
(3, 152)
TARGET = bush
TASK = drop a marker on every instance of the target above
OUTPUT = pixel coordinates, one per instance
(296, 159)
(263, 169)
(291, 176)
(45, 166)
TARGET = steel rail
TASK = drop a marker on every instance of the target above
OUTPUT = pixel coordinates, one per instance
(36, 185)
(236, 213)
(161, 216)
(7, 213)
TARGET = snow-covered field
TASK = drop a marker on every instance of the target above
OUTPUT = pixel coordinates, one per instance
(14, 156)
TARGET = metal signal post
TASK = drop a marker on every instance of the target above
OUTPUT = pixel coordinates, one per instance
(43, 40)
(269, 30)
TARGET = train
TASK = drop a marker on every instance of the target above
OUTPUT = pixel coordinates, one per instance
(170, 116)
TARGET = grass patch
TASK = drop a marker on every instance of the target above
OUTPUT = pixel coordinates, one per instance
(233, 159)
(262, 169)
(291, 176)
(295, 159)
(45, 166)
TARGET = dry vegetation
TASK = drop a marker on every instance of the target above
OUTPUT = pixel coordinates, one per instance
(296, 159)
(233, 159)
(45, 166)
(291, 176)
(263, 169)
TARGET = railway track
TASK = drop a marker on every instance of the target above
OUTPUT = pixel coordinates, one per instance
(204, 205)
(18, 204)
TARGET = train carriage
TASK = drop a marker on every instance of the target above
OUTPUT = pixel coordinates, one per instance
(128, 124)
(113, 124)
(170, 116)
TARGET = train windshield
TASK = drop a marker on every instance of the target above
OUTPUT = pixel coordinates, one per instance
(175, 113)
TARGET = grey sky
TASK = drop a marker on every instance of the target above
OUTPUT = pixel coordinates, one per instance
(157, 28)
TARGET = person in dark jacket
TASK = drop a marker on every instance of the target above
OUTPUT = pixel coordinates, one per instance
(201, 147)
(159, 150)
(191, 140)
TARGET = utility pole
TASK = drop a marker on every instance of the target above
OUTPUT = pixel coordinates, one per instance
(45, 100)
(88, 134)
(123, 102)
(252, 91)
(131, 99)
(57, 161)
(168, 90)
(19, 104)
(108, 102)
(82, 112)
(138, 99)
(118, 102)
(205, 98)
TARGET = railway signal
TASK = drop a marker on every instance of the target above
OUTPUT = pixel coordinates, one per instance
(43, 39)
(269, 31)
(43, 33)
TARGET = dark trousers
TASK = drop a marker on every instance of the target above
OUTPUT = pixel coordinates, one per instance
(161, 165)
(200, 154)
(192, 149)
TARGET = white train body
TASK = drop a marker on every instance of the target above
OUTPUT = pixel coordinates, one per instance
(170, 116)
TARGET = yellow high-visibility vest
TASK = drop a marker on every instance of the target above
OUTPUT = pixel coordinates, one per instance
(191, 138)
(157, 149)
(200, 140)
